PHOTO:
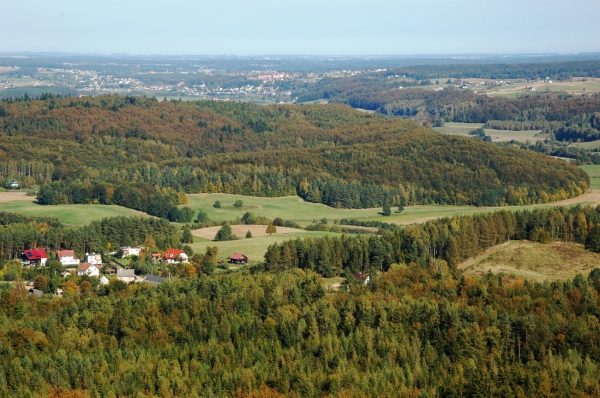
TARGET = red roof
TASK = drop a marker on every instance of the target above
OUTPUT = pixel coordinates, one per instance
(237, 256)
(65, 253)
(35, 254)
(173, 253)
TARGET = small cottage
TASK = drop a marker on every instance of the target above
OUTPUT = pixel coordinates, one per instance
(237, 258)
(88, 269)
(67, 257)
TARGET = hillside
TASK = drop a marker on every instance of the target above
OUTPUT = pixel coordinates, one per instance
(326, 154)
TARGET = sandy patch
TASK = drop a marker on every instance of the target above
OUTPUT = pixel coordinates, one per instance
(241, 230)
(12, 196)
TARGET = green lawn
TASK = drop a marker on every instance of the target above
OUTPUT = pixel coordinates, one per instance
(288, 208)
(593, 171)
(455, 128)
(254, 248)
(69, 214)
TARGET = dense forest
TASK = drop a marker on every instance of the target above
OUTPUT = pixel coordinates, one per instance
(415, 330)
(326, 154)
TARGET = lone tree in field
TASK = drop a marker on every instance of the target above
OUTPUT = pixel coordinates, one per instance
(217, 205)
(400, 208)
(387, 210)
(248, 234)
(238, 203)
(271, 229)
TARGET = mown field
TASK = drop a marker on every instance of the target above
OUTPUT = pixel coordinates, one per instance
(455, 128)
(534, 261)
(288, 208)
(69, 214)
(253, 248)
(593, 171)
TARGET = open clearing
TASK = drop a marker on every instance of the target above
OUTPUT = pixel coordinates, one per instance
(454, 128)
(593, 171)
(288, 208)
(15, 196)
(534, 261)
(68, 214)
(241, 230)
(575, 87)
(255, 248)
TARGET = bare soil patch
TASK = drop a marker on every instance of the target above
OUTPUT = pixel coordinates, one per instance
(12, 196)
(241, 230)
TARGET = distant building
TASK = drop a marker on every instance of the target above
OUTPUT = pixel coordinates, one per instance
(89, 269)
(103, 280)
(361, 278)
(237, 258)
(33, 257)
(93, 258)
(126, 275)
(153, 280)
(172, 256)
(13, 184)
(67, 257)
(131, 251)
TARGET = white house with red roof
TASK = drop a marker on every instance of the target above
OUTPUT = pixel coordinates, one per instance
(33, 257)
(89, 269)
(67, 257)
(172, 256)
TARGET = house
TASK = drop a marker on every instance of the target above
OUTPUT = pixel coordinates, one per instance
(88, 269)
(64, 274)
(172, 256)
(362, 278)
(237, 258)
(131, 251)
(93, 258)
(103, 280)
(156, 256)
(59, 292)
(33, 257)
(153, 280)
(36, 292)
(126, 275)
(67, 257)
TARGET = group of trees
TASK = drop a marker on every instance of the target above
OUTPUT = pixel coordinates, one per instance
(451, 240)
(139, 196)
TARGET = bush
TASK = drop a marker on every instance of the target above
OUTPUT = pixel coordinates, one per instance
(217, 205)
(238, 203)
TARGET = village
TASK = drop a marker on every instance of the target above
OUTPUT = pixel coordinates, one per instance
(104, 269)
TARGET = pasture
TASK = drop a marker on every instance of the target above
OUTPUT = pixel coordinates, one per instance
(288, 208)
(454, 128)
(68, 214)
(254, 248)
(593, 170)
(534, 261)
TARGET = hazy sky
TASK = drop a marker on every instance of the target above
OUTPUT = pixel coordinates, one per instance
(316, 27)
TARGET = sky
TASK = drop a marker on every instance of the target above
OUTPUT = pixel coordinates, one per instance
(307, 27)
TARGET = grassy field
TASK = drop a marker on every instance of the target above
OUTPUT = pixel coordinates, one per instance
(454, 128)
(587, 145)
(573, 87)
(288, 208)
(69, 214)
(254, 248)
(593, 171)
(534, 261)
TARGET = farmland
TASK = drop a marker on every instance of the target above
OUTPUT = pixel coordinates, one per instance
(455, 128)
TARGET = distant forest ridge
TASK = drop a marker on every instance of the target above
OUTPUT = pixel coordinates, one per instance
(325, 154)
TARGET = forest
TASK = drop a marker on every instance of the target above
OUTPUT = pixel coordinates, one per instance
(325, 154)
(418, 329)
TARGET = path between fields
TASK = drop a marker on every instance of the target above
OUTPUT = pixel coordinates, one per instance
(13, 196)
(241, 230)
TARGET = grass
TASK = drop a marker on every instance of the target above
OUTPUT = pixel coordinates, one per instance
(593, 171)
(288, 208)
(69, 214)
(254, 248)
(587, 145)
(454, 128)
(534, 261)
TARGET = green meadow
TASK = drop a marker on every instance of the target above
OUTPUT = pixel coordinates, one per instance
(253, 248)
(69, 214)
